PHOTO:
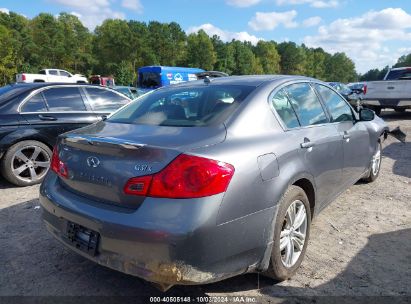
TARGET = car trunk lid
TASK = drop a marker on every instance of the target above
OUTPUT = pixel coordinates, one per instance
(103, 157)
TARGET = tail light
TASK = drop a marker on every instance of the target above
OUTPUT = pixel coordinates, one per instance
(138, 185)
(186, 176)
(57, 165)
(23, 77)
(364, 89)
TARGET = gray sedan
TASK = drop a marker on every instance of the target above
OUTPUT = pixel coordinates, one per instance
(205, 180)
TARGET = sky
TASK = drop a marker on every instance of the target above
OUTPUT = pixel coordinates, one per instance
(374, 33)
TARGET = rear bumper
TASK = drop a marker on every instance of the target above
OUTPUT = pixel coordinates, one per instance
(389, 103)
(163, 241)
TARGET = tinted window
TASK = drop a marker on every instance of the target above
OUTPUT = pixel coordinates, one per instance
(64, 99)
(338, 107)
(149, 80)
(53, 72)
(284, 109)
(399, 74)
(186, 107)
(10, 91)
(306, 104)
(42, 72)
(35, 104)
(104, 100)
(64, 73)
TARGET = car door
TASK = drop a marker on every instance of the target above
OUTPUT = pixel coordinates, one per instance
(53, 76)
(65, 76)
(56, 110)
(104, 101)
(319, 143)
(353, 135)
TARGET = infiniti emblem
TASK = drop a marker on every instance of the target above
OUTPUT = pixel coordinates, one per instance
(93, 161)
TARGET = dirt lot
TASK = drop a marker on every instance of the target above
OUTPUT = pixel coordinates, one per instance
(360, 245)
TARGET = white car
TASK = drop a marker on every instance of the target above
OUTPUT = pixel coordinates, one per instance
(51, 75)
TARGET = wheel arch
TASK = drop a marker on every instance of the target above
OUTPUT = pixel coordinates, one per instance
(304, 181)
(309, 190)
(21, 135)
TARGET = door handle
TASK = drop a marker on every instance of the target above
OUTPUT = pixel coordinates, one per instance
(307, 144)
(346, 135)
(47, 117)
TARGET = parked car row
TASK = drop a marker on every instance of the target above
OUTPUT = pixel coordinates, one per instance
(353, 96)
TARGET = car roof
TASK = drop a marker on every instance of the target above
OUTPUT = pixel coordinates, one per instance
(247, 80)
(160, 68)
(36, 85)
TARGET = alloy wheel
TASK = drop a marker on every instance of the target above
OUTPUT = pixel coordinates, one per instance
(293, 233)
(30, 163)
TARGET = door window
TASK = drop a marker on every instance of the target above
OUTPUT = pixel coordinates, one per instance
(338, 107)
(284, 109)
(64, 73)
(53, 72)
(35, 104)
(102, 100)
(306, 104)
(64, 99)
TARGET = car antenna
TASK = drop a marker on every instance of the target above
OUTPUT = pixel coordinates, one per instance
(207, 80)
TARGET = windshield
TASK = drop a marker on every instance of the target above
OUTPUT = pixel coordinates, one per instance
(194, 106)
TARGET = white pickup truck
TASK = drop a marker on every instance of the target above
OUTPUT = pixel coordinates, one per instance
(394, 92)
(51, 75)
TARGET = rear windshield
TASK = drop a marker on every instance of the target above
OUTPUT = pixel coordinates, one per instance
(194, 106)
(149, 80)
(399, 74)
(10, 91)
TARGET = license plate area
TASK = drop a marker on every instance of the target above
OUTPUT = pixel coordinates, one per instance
(82, 238)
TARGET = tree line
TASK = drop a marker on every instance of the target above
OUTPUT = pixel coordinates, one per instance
(118, 47)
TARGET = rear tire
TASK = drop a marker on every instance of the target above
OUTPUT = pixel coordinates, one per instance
(290, 236)
(375, 165)
(26, 163)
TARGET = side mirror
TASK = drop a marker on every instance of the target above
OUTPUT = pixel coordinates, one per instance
(366, 114)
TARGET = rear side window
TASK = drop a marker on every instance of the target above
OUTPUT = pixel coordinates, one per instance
(35, 104)
(64, 99)
(306, 104)
(284, 109)
(53, 72)
(338, 107)
(102, 100)
(191, 106)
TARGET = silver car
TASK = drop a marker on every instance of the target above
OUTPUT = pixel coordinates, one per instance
(198, 182)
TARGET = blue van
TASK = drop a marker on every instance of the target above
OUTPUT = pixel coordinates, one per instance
(153, 77)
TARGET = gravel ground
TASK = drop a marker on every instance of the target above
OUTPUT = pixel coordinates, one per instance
(360, 246)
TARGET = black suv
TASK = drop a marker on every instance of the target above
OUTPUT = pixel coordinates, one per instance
(33, 115)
